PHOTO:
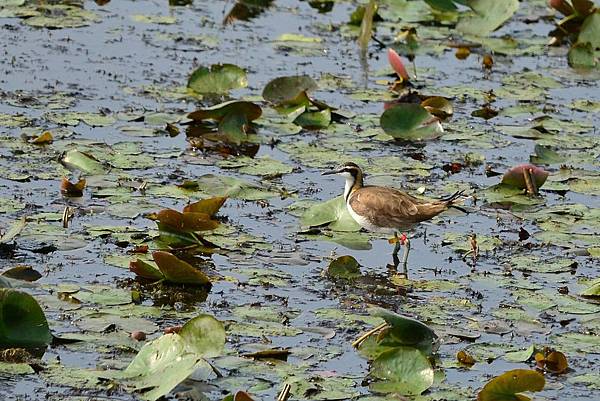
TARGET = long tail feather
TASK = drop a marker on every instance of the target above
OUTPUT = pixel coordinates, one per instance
(453, 198)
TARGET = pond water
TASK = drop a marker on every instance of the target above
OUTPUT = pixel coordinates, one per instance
(128, 65)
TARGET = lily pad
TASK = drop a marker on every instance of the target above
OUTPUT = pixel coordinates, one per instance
(165, 362)
(218, 79)
(488, 15)
(22, 321)
(403, 370)
(290, 90)
(332, 213)
(345, 267)
(507, 386)
(410, 122)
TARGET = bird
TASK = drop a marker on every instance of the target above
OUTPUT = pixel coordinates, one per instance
(386, 209)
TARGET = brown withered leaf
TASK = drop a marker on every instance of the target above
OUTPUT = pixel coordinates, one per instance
(178, 271)
(43, 139)
(209, 206)
(465, 358)
(185, 222)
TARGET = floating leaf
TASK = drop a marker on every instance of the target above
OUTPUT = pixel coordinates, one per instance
(404, 370)
(290, 90)
(592, 291)
(410, 122)
(333, 213)
(74, 159)
(22, 321)
(507, 386)
(488, 16)
(172, 220)
(345, 267)
(218, 79)
(165, 362)
(554, 362)
(145, 270)
(514, 176)
(13, 231)
(438, 106)
(234, 119)
(442, 5)
(406, 331)
(43, 139)
(208, 206)
(465, 358)
(177, 271)
(314, 119)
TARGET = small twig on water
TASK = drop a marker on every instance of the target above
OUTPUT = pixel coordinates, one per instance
(66, 216)
(529, 182)
(285, 393)
(369, 333)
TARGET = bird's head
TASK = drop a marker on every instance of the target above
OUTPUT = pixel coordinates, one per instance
(347, 170)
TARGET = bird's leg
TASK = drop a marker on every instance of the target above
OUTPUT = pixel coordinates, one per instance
(406, 243)
(398, 243)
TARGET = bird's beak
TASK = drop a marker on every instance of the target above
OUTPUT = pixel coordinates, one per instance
(330, 172)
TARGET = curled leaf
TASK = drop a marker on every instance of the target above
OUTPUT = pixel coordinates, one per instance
(208, 206)
(178, 271)
(43, 139)
(507, 386)
(438, 106)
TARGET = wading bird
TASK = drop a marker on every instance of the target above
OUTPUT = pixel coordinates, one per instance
(388, 210)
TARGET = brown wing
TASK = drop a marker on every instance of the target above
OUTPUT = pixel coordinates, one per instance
(389, 207)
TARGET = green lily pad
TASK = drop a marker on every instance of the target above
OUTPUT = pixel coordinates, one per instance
(410, 122)
(165, 362)
(406, 331)
(332, 213)
(22, 321)
(314, 119)
(403, 370)
(345, 267)
(289, 90)
(507, 386)
(488, 15)
(74, 159)
(218, 79)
